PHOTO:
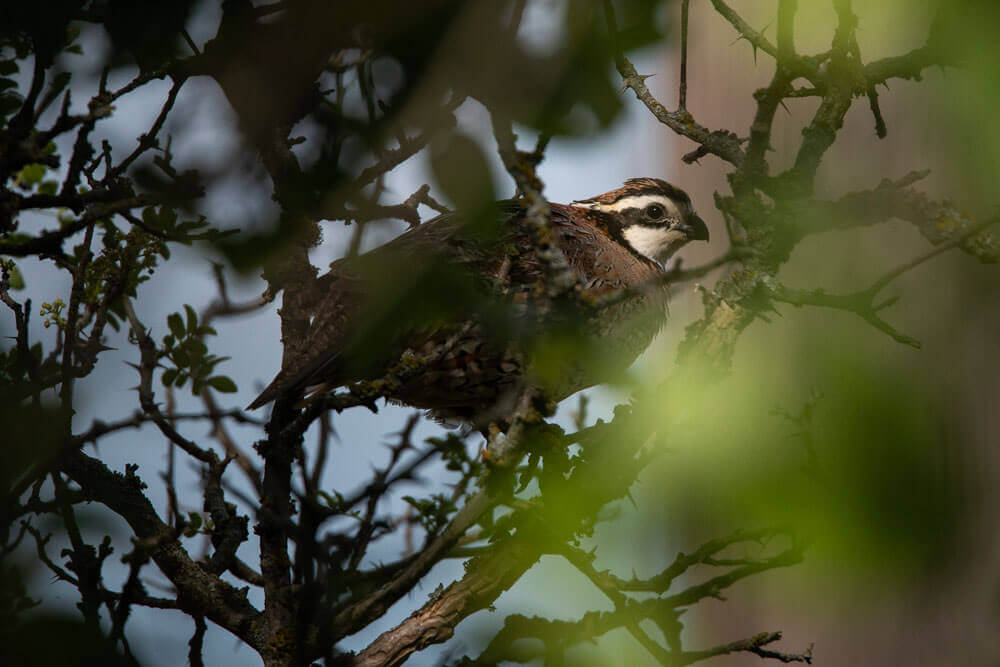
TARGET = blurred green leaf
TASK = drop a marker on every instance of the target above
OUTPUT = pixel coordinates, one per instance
(192, 318)
(222, 383)
(463, 173)
(31, 174)
(859, 471)
(14, 277)
(176, 325)
(193, 524)
(169, 376)
(58, 84)
(31, 435)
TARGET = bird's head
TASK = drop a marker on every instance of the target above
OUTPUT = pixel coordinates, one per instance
(655, 217)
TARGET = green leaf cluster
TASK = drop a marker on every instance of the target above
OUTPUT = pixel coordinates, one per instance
(10, 99)
(454, 453)
(164, 222)
(196, 525)
(124, 262)
(190, 357)
(14, 369)
(432, 512)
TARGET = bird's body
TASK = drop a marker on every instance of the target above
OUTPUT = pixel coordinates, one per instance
(474, 337)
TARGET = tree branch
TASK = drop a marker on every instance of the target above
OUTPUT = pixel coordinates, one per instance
(722, 143)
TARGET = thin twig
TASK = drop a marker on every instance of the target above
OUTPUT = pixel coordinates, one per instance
(722, 143)
(682, 95)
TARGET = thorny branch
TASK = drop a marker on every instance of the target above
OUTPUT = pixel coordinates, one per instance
(723, 143)
(863, 302)
(835, 75)
(502, 448)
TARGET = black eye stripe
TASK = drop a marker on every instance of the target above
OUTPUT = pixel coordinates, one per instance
(635, 216)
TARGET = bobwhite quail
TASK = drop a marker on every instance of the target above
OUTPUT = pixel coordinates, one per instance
(459, 297)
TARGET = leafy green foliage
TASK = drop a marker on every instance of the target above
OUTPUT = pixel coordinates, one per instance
(197, 525)
(455, 454)
(857, 469)
(14, 369)
(124, 262)
(432, 512)
(10, 99)
(333, 501)
(31, 175)
(190, 357)
(15, 280)
(164, 222)
(32, 434)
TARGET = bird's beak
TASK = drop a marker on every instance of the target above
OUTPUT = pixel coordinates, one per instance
(695, 228)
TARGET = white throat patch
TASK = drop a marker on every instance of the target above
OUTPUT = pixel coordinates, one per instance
(657, 243)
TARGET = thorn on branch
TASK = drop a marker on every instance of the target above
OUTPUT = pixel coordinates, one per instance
(859, 303)
(863, 302)
(702, 150)
(148, 363)
(753, 645)
(757, 40)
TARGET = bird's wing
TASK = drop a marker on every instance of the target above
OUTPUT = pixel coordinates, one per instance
(332, 313)
(353, 284)
(601, 262)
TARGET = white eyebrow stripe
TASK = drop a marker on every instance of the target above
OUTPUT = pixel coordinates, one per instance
(639, 201)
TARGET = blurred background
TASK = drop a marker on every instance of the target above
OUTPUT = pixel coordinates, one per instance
(882, 455)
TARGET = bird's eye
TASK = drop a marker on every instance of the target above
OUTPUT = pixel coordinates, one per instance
(654, 211)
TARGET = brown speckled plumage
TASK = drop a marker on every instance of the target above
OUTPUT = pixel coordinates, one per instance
(475, 367)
